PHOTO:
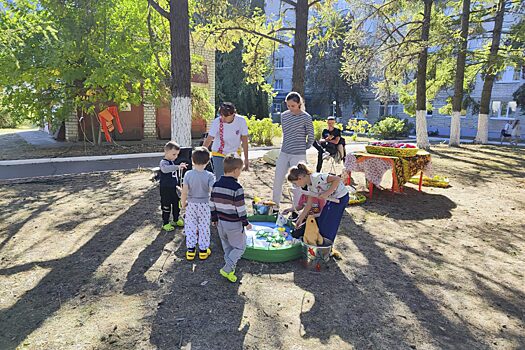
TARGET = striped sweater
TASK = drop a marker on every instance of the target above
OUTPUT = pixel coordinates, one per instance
(298, 133)
(227, 201)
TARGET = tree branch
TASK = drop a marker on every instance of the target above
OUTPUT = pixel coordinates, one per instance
(290, 2)
(313, 3)
(151, 41)
(282, 42)
(159, 9)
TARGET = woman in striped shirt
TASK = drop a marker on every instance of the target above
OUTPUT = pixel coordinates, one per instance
(298, 136)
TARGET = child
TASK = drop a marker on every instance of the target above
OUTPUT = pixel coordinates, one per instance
(326, 186)
(228, 213)
(169, 180)
(316, 207)
(196, 196)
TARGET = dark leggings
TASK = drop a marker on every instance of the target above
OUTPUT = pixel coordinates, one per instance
(325, 147)
(169, 202)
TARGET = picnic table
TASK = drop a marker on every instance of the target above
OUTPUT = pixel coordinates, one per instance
(374, 166)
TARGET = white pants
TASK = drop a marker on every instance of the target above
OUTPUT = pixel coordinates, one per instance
(284, 163)
(197, 225)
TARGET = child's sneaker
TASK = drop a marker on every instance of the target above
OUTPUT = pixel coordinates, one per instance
(229, 276)
(204, 254)
(336, 254)
(168, 227)
(178, 223)
(190, 254)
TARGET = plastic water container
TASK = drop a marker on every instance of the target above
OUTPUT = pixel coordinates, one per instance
(316, 257)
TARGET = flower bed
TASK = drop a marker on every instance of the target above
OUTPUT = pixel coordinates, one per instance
(395, 149)
(436, 181)
(356, 198)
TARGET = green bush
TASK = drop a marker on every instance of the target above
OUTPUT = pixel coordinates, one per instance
(7, 122)
(391, 128)
(200, 104)
(320, 125)
(262, 131)
(358, 127)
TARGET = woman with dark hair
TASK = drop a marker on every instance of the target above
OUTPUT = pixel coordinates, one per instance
(298, 136)
(226, 134)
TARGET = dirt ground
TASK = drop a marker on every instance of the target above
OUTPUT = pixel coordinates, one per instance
(84, 265)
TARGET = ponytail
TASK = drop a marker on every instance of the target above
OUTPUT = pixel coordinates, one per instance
(298, 171)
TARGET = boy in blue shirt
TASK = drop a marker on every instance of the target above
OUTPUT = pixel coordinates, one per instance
(195, 200)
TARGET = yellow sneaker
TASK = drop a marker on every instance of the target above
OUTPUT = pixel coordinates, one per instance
(229, 276)
(203, 255)
(168, 227)
(190, 255)
(336, 254)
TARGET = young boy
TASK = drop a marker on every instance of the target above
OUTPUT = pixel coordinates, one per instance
(169, 180)
(228, 213)
(195, 199)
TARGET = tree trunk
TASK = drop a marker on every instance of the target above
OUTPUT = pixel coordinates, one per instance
(482, 135)
(421, 89)
(299, 47)
(455, 125)
(180, 73)
(93, 129)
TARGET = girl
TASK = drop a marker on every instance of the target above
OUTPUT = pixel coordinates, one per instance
(325, 186)
(298, 136)
(516, 132)
(225, 137)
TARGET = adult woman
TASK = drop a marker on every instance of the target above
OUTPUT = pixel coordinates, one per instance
(226, 134)
(515, 132)
(298, 136)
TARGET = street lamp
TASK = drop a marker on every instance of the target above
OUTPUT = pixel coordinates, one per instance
(333, 108)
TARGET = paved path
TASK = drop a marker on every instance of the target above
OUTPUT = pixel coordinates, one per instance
(39, 138)
(28, 168)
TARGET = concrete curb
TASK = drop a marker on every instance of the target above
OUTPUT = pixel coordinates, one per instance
(80, 159)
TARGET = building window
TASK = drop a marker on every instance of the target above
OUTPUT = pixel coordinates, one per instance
(512, 107)
(279, 62)
(386, 110)
(277, 107)
(278, 84)
(499, 76)
(495, 111)
(516, 74)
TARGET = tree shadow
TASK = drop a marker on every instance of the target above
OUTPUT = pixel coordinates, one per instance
(411, 205)
(201, 310)
(362, 311)
(136, 281)
(26, 194)
(70, 273)
(498, 151)
(483, 165)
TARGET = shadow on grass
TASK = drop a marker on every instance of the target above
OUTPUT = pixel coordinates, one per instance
(411, 205)
(70, 273)
(201, 307)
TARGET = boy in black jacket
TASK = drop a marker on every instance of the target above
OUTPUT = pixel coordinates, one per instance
(170, 178)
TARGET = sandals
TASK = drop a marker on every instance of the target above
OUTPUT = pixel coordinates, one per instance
(204, 254)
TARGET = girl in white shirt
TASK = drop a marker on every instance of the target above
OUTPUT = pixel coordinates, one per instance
(325, 186)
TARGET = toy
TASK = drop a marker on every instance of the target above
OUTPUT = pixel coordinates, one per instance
(311, 232)
(106, 118)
